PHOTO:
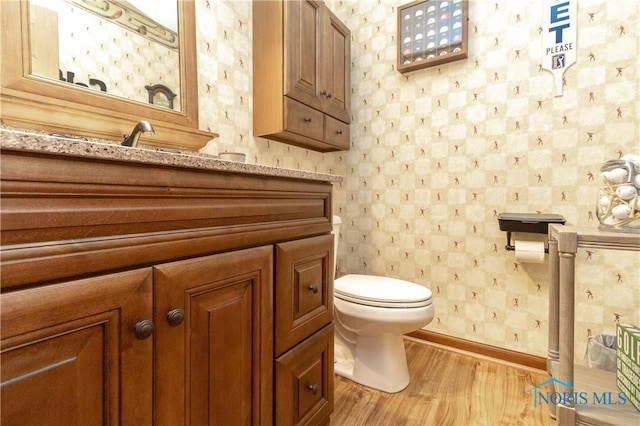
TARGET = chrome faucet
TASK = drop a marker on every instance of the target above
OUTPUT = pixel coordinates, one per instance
(143, 127)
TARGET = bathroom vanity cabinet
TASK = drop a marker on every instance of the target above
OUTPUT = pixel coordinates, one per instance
(137, 293)
(564, 242)
(301, 75)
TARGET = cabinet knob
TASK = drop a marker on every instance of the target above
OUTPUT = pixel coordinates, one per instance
(313, 388)
(323, 92)
(338, 132)
(313, 288)
(144, 329)
(175, 317)
(328, 95)
(307, 119)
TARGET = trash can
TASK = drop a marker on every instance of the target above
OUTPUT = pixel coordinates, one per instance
(601, 352)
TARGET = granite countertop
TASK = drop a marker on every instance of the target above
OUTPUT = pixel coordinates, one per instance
(35, 142)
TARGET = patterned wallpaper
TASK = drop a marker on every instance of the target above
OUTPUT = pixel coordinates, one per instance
(438, 153)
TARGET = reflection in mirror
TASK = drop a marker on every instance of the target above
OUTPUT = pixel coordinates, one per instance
(112, 46)
(160, 95)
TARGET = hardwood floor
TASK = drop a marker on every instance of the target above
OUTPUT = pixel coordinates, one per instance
(447, 387)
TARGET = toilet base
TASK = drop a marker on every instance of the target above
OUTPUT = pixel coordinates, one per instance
(378, 361)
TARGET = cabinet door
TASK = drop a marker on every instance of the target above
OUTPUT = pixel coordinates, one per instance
(335, 74)
(302, 35)
(214, 349)
(304, 289)
(70, 356)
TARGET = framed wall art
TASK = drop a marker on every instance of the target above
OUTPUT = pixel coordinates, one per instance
(431, 32)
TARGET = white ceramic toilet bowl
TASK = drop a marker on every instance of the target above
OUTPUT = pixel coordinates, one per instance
(371, 315)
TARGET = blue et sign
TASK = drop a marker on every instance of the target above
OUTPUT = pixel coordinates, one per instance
(559, 30)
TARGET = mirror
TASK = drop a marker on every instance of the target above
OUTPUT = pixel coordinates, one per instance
(41, 97)
(116, 47)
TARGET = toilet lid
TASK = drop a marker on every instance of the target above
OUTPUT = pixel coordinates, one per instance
(378, 291)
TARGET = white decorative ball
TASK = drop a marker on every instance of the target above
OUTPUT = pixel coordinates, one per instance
(621, 211)
(615, 176)
(605, 202)
(626, 192)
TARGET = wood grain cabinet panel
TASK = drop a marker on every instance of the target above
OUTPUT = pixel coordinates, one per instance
(68, 350)
(304, 381)
(304, 289)
(336, 132)
(64, 216)
(303, 40)
(214, 366)
(336, 81)
(303, 120)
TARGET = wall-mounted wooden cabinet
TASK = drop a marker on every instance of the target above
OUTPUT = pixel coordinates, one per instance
(301, 75)
(140, 294)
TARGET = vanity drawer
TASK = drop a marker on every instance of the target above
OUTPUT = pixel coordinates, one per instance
(304, 381)
(303, 120)
(304, 289)
(336, 132)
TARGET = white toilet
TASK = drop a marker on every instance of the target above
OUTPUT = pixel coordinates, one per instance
(371, 314)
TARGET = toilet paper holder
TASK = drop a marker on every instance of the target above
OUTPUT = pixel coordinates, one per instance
(536, 223)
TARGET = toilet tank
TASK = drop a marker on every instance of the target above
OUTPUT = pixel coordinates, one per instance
(336, 235)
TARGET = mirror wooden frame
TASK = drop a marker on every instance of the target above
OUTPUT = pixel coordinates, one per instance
(31, 102)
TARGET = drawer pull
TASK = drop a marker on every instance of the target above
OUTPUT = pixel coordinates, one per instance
(307, 119)
(313, 288)
(338, 132)
(175, 317)
(313, 388)
(144, 329)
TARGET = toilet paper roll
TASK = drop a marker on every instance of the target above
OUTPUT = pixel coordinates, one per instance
(529, 251)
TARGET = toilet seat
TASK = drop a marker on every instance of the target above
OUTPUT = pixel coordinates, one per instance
(383, 292)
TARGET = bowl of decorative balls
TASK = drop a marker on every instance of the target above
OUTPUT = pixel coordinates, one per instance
(618, 204)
